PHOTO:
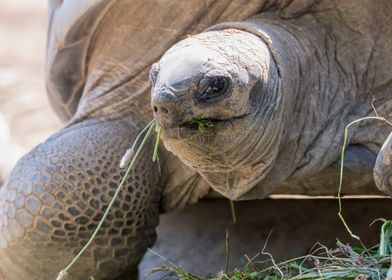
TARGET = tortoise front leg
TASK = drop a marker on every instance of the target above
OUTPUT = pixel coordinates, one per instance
(383, 167)
(57, 194)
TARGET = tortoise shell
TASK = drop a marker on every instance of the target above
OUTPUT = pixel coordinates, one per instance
(73, 25)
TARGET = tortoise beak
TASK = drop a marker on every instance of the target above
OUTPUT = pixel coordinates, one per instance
(169, 109)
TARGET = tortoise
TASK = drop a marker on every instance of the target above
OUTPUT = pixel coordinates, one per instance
(279, 80)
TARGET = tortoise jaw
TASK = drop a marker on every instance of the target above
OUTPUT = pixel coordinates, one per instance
(191, 128)
(201, 124)
(197, 126)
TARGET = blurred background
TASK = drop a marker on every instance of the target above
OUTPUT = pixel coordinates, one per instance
(26, 118)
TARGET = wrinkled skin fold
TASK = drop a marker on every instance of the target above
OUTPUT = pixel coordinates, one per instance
(280, 84)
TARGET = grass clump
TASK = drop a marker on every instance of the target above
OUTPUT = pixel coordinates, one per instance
(343, 262)
(203, 124)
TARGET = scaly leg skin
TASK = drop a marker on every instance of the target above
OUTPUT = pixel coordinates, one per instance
(57, 194)
(383, 167)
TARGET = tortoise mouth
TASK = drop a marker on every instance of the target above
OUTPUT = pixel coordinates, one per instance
(196, 127)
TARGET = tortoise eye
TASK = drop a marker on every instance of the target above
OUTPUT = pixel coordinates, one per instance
(213, 87)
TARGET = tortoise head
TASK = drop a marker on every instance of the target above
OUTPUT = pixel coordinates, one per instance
(215, 96)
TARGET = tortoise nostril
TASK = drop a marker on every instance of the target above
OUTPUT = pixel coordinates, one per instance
(162, 109)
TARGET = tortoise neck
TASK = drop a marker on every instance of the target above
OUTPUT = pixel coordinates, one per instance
(301, 53)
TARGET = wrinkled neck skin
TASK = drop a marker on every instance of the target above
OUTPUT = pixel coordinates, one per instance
(289, 55)
(292, 130)
(321, 92)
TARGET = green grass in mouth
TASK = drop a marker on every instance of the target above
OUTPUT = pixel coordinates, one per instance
(203, 124)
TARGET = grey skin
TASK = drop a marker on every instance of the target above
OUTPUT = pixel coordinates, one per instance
(297, 73)
(278, 111)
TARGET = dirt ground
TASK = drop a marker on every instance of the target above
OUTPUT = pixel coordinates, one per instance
(26, 118)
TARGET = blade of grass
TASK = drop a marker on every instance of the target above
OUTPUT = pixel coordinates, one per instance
(340, 213)
(233, 212)
(155, 154)
(227, 257)
(385, 239)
